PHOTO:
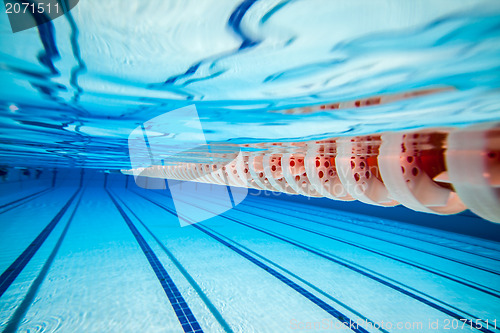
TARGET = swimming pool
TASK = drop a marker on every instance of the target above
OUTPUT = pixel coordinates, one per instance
(93, 239)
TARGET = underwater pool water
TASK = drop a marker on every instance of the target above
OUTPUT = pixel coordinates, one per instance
(85, 247)
(73, 91)
(114, 256)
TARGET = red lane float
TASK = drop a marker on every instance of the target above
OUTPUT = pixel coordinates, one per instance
(441, 171)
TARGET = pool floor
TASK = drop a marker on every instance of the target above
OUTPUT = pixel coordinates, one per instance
(88, 258)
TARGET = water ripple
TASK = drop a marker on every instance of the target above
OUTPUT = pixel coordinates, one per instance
(72, 91)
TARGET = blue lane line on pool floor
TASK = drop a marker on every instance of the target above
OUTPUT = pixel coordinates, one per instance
(18, 265)
(182, 270)
(323, 305)
(22, 201)
(305, 282)
(182, 310)
(23, 198)
(355, 217)
(22, 309)
(328, 308)
(473, 323)
(477, 287)
(322, 211)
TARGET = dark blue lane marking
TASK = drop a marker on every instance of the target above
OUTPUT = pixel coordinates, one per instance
(23, 198)
(228, 187)
(429, 270)
(310, 285)
(473, 324)
(356, 216)
(365, 319)
(404, 245)
(54, 177)
(349, 215)
(328, 308)
(182, 310)
(379, 280)
(183, 271)
(82, 173)
(22, 203)
(470, 284)
(21, 310)
(18, 265)
(323, 305)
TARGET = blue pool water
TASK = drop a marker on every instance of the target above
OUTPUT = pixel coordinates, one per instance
(72, 92)
(84, 249)
(115, 260)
